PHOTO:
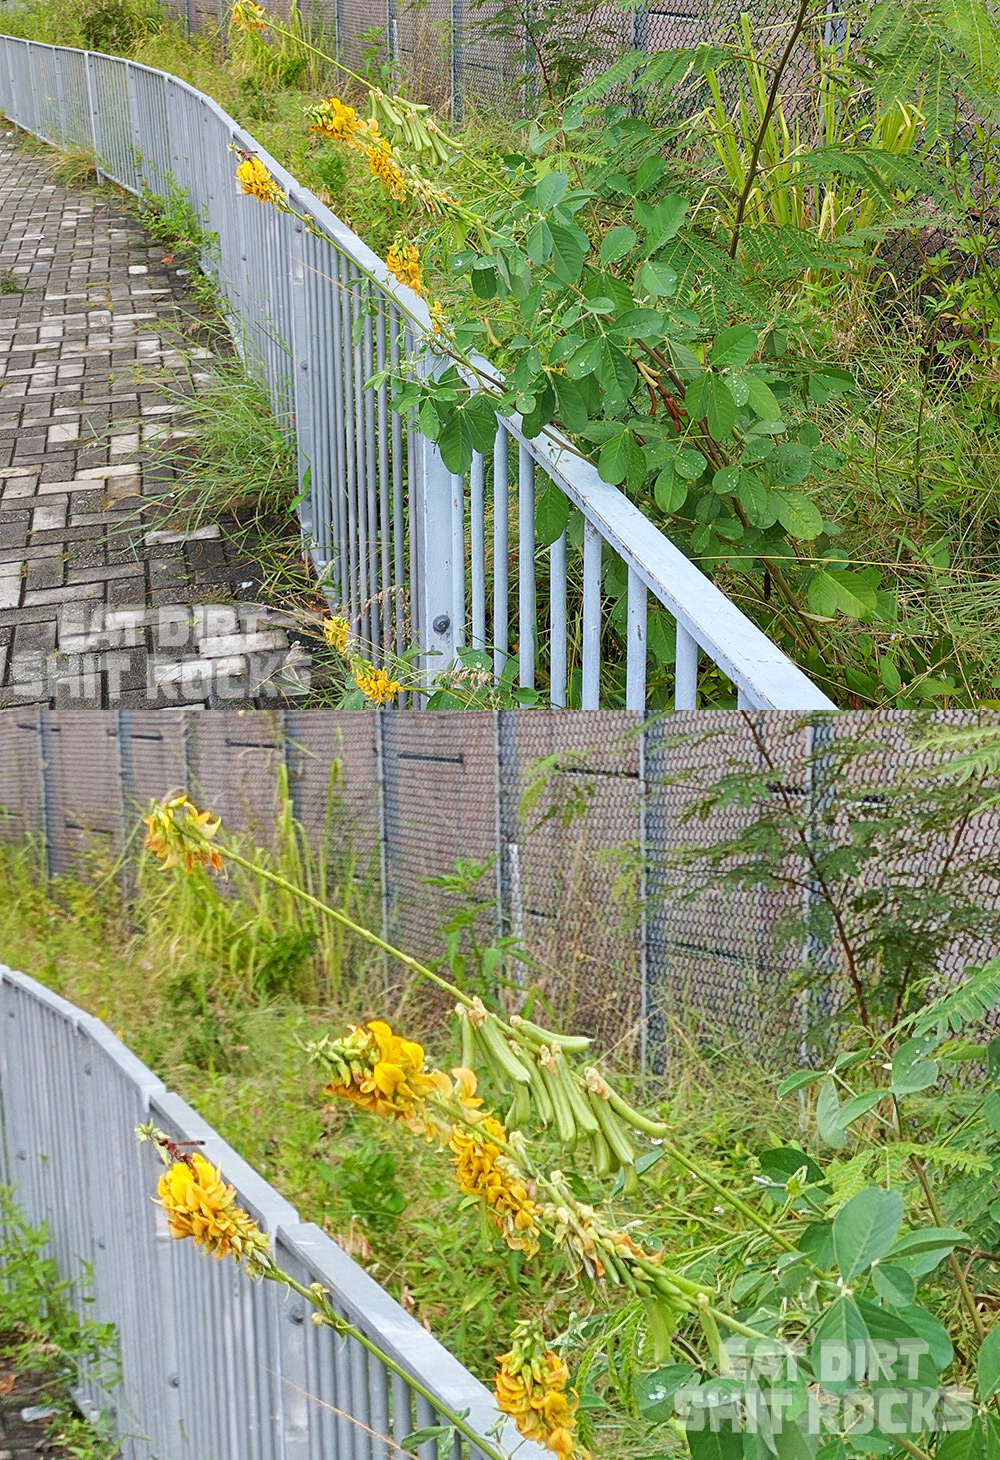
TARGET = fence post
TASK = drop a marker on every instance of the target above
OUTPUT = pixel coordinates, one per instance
(436, 622)
(820, 792)
(643, 922)
(126, 787)
(457, 43)
(387, 776)
(46, 784)
(301, 392)
(509, 903)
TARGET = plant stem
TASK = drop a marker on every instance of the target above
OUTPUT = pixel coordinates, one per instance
(798, 27)
(358, 929)
(344, 1326)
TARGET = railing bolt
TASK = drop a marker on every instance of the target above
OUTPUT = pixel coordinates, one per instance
(174, 1381)
(296, 1318)
(441, 624)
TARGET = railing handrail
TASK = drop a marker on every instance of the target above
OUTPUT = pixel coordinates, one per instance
(707, 618)
(55, 1186)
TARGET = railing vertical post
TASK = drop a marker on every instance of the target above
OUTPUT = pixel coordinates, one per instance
(387, 773)
(433, 591)
(88, 64)
(685, 671)
(302, 389)
(635, 653)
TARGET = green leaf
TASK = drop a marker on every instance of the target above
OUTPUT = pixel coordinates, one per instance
(893, 1283)
(569, 249)
(790, 464)
(757, 500)
(552, 512)
(613, 462)
(991, 1111)
(455, 443)
(689, 464)
(838, 1337)
(799, 515)
(726, 481)
(550, 190)
(721, 408)
(572, 407)
(931, 1330)
(865, 1229)
(798, 1081)
(429, 1432)
(910, 1071)
(921, 1251)
(658, 280)
(640, 324)
(733, 347)
(538, 243)
(617, 243)
(762, 399)
(971, 1436)
(833, 591)
(660, 221)
(654, 1393)
(669, 491)
(828, 1121)
(988, 1365)
(586, 360)
(617, 370)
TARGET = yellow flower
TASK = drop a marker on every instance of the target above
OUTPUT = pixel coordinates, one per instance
(334, 119)
(179, 834)
(482, 1171)
(255, 180)
(530, 1386)
(248, 17)
(383, 165)
(336, 632)
(375, 684)
(403, 260)
(437, 316)
(381, 1072)
(200, 1205)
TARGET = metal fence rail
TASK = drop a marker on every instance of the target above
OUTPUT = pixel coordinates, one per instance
(410, 552)
(214, 1367)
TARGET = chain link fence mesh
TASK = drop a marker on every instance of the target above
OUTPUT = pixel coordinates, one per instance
(560, 830)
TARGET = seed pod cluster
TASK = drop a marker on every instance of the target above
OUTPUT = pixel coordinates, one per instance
(536, 1065)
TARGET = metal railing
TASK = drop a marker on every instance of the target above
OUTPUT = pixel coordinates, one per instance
(213, 1366)
(413, 554)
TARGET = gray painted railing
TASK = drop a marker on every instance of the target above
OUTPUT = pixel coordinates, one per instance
(403, 546)
(214, 1367)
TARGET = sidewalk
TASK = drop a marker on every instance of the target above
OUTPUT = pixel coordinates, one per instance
(99, 605)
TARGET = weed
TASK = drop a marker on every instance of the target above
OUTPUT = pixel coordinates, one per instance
(10, 283)
(42, 1330)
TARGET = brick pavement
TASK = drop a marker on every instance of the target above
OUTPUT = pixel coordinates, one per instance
(100, 603)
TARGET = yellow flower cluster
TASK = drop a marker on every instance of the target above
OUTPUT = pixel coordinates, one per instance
(481, 1171)
(403, 260)
(248, 17)
(530, 1386)
(380, 1072)
(334, 119)
(337, 632)
(338, 121)
(375, 684)
(255, 180)
(179, 834)
(383, 163)
(200, 1205)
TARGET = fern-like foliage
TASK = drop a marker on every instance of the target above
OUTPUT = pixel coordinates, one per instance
(944, 51)
(963, 1006)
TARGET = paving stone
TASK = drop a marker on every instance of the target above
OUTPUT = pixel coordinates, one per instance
(96, 356)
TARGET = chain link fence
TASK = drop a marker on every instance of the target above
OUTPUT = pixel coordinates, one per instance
(561, 830)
